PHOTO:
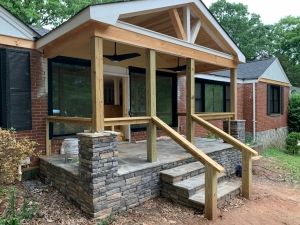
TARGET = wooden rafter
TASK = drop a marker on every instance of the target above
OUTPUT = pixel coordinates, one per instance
(195, 30)
(177, 24)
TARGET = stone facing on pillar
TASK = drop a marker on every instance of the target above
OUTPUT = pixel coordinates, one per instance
(237, 129)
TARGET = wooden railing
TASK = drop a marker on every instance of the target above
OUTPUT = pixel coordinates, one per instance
(247, 154)
(209, 116)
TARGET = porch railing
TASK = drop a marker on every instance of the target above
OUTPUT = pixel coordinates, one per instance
(209, 116)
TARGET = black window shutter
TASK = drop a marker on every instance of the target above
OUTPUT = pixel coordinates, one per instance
(18, 90)
(3, 112)
(268, 99)
(282, 100)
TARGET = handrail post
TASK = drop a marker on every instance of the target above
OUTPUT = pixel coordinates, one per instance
(210, 192)
(190, 100)
(246, 174)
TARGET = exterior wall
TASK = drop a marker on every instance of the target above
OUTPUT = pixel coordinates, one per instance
(181, 98)
(39, 100)
(248, 105)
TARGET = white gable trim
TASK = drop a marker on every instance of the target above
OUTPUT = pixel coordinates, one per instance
(275, 72)
(224, 79)
(18, 29)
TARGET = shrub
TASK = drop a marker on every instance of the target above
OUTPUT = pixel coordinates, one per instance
(294, 112)
(292, 143)
(12, 153)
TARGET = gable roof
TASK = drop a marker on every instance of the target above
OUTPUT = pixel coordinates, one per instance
(12, 26)
(40, 30)
(115, 14)
(250, 70)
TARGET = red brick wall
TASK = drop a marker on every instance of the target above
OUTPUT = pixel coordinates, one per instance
(39, 101)
(265, 122)
(248, 106)
(240, 101)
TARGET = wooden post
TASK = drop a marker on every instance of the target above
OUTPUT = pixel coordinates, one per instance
(211, 181)
(97, 84)
(190, 99)
(233, 92)
(125, 105)
(229, 126)
(246, 174)
(151, 103)
(48, 141)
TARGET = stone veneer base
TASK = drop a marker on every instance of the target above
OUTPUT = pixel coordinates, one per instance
(95, 186)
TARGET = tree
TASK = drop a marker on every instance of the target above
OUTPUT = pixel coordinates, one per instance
(287, 40)
(47, 12)
(246, 29)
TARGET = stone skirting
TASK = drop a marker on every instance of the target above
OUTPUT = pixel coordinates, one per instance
(237, 129)
(95, 186)
(274, 138)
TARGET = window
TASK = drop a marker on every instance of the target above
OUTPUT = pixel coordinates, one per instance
(275, 98)
(211, 96)
(70, 85)
(15, 93)
(166, 92)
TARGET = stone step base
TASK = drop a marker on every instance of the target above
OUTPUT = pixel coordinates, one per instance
(182, 172)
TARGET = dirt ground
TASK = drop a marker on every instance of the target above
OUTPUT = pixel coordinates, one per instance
(274, 201)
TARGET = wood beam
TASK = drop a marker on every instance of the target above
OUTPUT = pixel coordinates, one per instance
(274, 82)
(140, 40)
(151, 103)
(190, 100)
(74, 39)
(17, 42)
(233, 92)
(97, 82)
(195, 30)
(187, 22)
(247, 174)
(177, 24)
(211, 181)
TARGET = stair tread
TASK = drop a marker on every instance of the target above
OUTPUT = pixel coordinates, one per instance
(223, 189)
(180, 170)
(194, 182)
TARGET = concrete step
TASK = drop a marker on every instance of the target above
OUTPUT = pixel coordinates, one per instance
(182, 172)
(226, 191)
(187, 188)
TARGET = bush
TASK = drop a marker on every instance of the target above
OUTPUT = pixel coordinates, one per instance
(12, 153)
(292, 143)
(294, 113)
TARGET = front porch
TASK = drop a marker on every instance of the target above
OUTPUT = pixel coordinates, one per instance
(129, 180)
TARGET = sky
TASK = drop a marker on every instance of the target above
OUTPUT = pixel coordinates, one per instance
(270, 11)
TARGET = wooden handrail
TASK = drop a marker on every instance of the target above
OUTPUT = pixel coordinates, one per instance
(226, 137)
(71, 120)
(193, 150)
(126, 120)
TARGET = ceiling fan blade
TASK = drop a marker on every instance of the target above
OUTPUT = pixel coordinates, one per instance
(176, 69)
(128, 56)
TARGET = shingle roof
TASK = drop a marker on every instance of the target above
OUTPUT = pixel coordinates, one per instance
(41, 31)
(250, 70)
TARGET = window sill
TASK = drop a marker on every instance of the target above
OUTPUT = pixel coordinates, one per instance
(275, 115)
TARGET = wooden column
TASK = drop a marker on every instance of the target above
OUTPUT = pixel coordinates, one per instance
(211, 211)
(190, 100)
(97, 84)
(233, 92)
(246, 174)
(151, 103)
(125, 96)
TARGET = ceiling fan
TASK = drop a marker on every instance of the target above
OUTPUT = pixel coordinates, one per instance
(177, 69)
(118, 58)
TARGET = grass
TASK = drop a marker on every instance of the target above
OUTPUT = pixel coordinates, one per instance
(109, 220)
(284, 161)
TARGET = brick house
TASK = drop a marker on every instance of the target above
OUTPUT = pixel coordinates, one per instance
(263, 93)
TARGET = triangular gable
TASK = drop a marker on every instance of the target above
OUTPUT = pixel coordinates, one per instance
(13, 27)
(275, 72)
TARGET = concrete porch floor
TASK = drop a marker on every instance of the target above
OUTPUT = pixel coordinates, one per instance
(133, 156)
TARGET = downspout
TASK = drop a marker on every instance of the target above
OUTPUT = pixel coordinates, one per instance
(254, 110)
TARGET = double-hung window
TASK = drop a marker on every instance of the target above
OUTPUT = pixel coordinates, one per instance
(275, 99)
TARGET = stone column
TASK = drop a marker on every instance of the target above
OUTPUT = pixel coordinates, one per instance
(237, 129)
(98, 166)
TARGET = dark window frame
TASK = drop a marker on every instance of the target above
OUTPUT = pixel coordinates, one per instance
(65, 60)
(271, 105)
(205, 81)
(173, 76)
(3, 121)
